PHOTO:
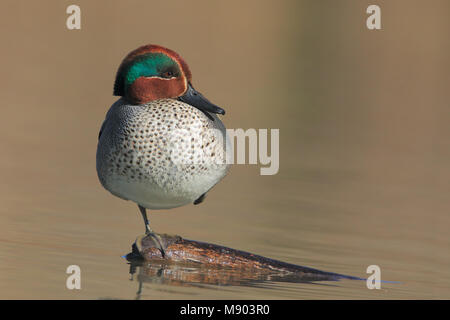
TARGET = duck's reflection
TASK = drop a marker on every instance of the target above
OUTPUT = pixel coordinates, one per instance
(173, 274)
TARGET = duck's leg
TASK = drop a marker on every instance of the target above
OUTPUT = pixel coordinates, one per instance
(144, 216)
(200, 199)
(149, 232)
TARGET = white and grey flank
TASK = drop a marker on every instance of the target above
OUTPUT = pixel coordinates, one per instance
(162, 154)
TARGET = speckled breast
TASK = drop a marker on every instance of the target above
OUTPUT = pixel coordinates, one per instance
(162, 154)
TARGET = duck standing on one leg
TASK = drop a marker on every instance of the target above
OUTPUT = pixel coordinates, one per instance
(161, 144)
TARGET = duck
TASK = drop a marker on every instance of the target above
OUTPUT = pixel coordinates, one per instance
(162, 144)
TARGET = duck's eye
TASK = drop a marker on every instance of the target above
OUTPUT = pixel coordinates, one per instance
(168, 74)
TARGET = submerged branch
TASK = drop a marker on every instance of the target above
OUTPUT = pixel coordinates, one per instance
(163, 248)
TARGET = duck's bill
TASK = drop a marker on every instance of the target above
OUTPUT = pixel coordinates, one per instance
(197, 100)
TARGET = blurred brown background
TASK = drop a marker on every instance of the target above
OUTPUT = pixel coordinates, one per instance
(364, 157)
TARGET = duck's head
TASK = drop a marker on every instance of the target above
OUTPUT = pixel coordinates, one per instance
(153, 72)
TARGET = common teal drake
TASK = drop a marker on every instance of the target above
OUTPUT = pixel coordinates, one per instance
(161, 144)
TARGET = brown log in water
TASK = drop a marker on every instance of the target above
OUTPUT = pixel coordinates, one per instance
(179, 250)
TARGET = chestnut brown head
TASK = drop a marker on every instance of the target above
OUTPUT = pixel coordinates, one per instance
(152, 72)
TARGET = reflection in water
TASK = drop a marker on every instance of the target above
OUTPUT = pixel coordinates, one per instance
(195, 275)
